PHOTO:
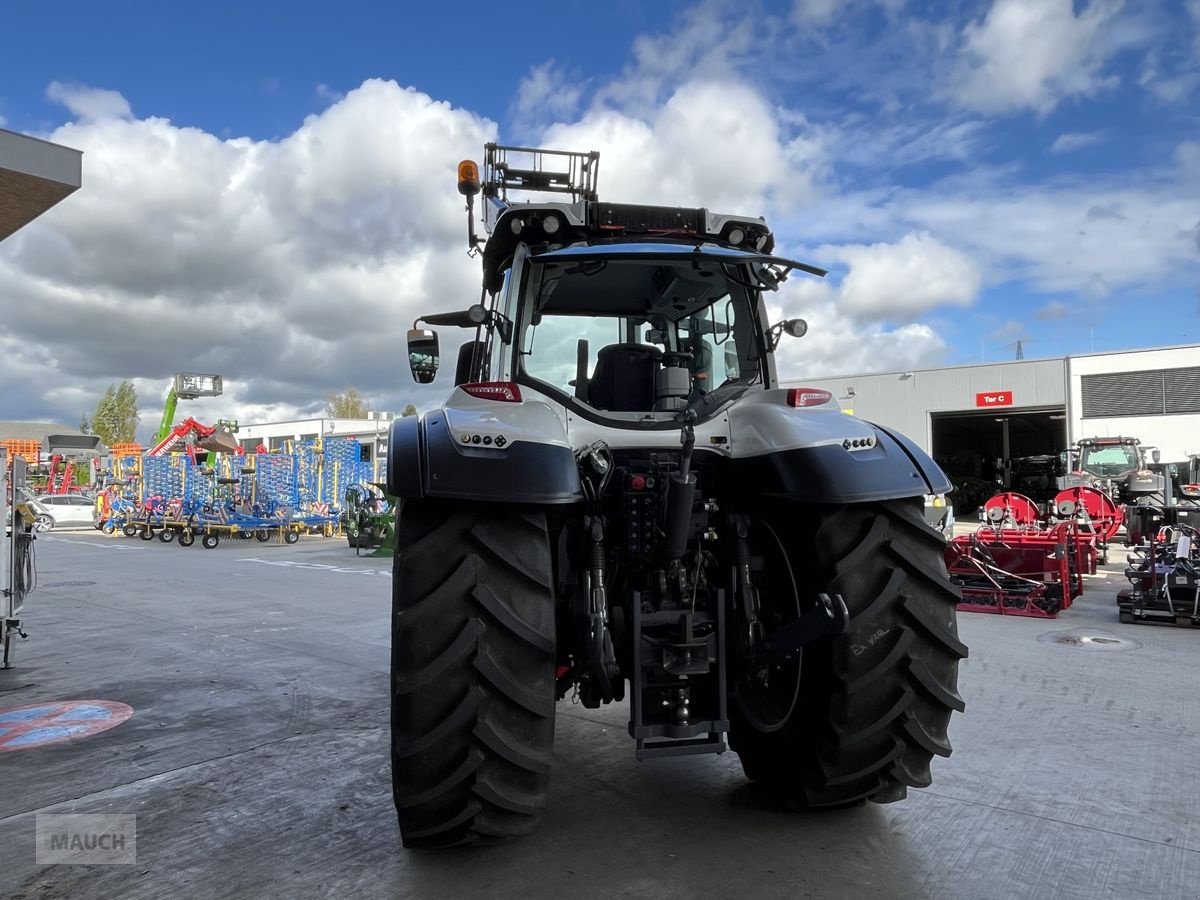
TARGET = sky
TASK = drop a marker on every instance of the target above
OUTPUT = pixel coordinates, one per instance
(269, 192)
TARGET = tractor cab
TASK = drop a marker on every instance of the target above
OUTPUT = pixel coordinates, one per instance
(625, 314)
(1116, 465)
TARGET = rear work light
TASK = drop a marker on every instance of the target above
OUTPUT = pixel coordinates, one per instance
(505, 391)
(804, 397)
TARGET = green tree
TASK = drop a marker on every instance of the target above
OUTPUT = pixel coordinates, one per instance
(409, 410)
(349, 404)
(116, 416)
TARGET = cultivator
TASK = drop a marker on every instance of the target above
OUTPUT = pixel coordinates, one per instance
(1165, 576)
(264, 496)
(1024, 563)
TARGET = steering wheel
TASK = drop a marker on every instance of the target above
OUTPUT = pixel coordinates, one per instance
(674, 358)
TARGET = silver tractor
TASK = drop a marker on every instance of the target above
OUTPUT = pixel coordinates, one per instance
(618, 502)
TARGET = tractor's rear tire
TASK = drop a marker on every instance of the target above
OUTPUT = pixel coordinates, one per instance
(473, 656)
(874, 704)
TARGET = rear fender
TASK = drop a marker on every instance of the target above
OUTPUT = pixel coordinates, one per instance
(822, 455)
(487, 450)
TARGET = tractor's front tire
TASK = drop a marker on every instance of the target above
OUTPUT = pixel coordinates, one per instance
(473, 656)
(873, 704)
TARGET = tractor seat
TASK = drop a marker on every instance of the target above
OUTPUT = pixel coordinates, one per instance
(624, 378)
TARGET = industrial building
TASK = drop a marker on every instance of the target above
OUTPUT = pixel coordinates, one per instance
(976, 419)
(371, 432)
(34, 176)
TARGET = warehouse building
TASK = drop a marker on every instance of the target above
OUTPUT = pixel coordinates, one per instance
(34, 176)
(980, 421)
(371, 432)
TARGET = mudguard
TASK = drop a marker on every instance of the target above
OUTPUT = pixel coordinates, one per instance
(825, 456)
(443, 454)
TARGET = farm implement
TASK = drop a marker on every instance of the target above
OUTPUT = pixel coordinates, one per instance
(1164, 572)
(1025, 563)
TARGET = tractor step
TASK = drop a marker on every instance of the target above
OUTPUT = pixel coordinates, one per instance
(713, 743)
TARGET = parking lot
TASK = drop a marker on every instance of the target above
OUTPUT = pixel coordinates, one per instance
(256, 756)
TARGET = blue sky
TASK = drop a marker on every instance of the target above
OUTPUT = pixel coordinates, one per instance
(266, 189)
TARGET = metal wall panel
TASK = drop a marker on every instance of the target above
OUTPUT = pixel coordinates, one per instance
(903, 400)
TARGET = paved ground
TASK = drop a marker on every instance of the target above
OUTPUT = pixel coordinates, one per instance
(256, 757)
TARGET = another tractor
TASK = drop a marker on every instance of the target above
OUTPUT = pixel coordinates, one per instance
(367, 518)
(1115, 465)
(618, 501)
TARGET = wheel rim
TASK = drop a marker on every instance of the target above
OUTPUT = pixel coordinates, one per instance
(767, 697)
(166, 535)
(43, 523)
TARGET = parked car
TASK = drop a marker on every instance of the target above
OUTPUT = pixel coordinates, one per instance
(63, 511)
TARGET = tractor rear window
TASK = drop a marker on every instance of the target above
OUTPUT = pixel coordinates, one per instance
(637, 335)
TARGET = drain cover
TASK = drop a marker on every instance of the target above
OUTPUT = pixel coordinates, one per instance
(63, 584)
(1089, 640)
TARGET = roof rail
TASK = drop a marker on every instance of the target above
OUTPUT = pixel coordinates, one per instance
(531, 170)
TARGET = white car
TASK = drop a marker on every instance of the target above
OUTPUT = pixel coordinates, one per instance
(63, 511)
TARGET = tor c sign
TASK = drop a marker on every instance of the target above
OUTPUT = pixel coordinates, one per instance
(988, 399)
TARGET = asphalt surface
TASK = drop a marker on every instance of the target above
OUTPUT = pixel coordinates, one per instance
(256, 756)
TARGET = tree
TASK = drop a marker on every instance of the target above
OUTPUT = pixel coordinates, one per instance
(409, 410)
(116, 417)
(347, 405)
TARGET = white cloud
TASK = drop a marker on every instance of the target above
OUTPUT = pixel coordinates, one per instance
(816, 12)
(1010, 328)
(89, 104)
(916, 274)
(751, 162)
(1070, 141)
(547, 94)
(1062, 235)
(290, 267)
(840, 344)
(819, 13)
(327, 94)
(1055, 309)
(1032, 54)
(706, 45)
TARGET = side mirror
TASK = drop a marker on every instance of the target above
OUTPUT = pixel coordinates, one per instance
(423, 355)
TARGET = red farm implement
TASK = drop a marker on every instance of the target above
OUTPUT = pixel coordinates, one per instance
(1020, 563)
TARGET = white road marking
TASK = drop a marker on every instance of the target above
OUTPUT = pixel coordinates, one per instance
(292, 564)
(114, 545)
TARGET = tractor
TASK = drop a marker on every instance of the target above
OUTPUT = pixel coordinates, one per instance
(1115, 465)
(617, 502)
(366, 517)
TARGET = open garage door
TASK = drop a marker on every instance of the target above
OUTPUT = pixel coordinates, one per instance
(1014, 450)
